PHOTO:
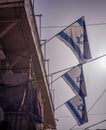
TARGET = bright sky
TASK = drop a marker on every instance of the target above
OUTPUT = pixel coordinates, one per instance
(62, 13)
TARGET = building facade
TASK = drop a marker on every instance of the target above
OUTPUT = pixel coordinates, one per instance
(24, 91)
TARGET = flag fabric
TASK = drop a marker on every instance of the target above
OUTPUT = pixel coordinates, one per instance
(75, 80)
(75, 37)
(77, 107)
(33, 103)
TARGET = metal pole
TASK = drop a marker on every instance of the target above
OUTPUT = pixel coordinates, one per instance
(33, 5)
(48, 66)
(52, 92)
(40, 25)
(40, 15)
(44, 49)
(53, 97)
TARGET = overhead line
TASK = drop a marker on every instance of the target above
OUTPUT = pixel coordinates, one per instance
(95, 114)
(94, 124)
(67, 27)
(90, 109)
(61, 26)
(73, 67)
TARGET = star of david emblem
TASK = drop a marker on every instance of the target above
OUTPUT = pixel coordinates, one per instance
(79, 79)
(79, 39)
(81, 107)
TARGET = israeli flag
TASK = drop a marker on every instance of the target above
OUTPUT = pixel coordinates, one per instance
(75, 37)
(75, 80)
(77, 107)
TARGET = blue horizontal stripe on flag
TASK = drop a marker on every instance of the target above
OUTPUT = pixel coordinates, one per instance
(74, 85)
(70, 41)
(75, 112)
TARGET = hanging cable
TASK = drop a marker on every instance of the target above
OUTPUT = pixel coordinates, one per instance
(66, 69)
(94, 124)
(97, 100)
(95, 24)
(93, 105)
(95, 114)
(58, 71)
(67, 27)
(90, 107)
(74, 67)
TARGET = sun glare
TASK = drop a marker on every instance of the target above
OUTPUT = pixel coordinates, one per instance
(102, 62)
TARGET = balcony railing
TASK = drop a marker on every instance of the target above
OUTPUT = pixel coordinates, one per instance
(19, 121)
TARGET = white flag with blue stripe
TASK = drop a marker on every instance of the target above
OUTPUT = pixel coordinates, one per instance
(77, 107)
(75, 37)
(75, 80)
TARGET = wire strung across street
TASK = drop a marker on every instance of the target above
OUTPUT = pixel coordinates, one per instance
(94, 124)
(69, 68)
(65, 28)
(95, 24)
